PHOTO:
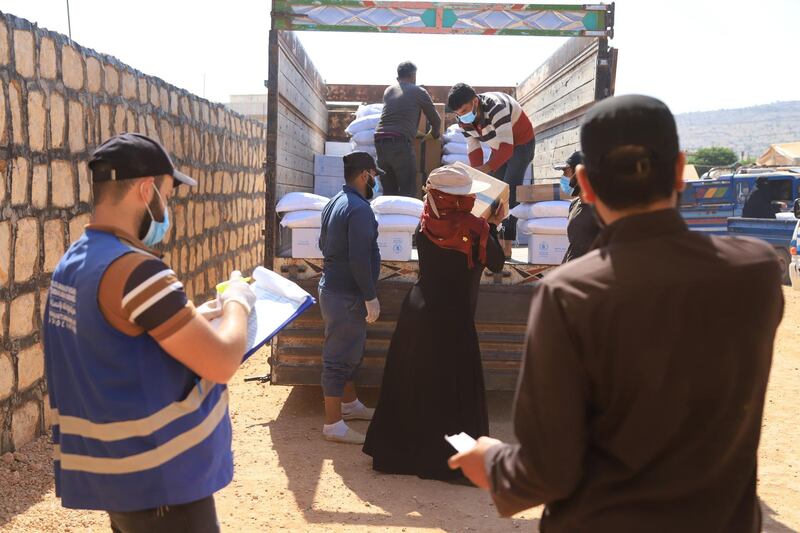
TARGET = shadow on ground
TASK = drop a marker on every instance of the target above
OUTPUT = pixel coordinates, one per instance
(387, 500)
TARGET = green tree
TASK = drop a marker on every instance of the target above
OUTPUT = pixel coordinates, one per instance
(704, 159)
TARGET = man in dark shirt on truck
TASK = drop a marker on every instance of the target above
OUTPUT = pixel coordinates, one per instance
(639, 406)
(397, 129)
(347, 294)
(759, 203)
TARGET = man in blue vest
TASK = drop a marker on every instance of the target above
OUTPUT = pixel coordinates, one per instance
(136, 373)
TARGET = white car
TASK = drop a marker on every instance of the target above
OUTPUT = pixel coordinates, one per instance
(794, 263)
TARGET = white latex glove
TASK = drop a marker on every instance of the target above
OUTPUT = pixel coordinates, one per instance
(373, 310)
(210, 310)
(238, 291)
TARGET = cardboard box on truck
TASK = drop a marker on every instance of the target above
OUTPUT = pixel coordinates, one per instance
(540, 193)
(497, 191)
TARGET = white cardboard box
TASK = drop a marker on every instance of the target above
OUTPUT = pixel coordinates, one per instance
(337, 148)
(305, 243)
(394, 245)
(328, 186)
(547, 249)
(328, 165)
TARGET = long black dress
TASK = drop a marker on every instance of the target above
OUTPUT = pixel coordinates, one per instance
(433, 380)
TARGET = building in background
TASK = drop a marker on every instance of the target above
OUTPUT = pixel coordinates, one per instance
(252, 106)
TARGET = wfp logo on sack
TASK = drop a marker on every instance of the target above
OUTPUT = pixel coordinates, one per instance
(397, 247)
(544, 247)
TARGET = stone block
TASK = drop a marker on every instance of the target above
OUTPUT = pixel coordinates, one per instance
(24, 53)
(21, 319)
(129, 87)
(48, 412)
(179, 213)
(84, 182)
(173, 103)
(5, 256)
(3, 128)
(143, 90)
(163, 95)
(26, 249)
(19, 181)
(63, 184)
(153, 94)
(76, 226)
(25, 425)
(15, 101)
(4, 56)
(130, 117)
(94, 74)
(36, 120)
(142, 125)
(152, 130)
(105, 121)
(47, 59)
(72, 67)
(30, 366)
(119, 120)
(57, 120)
(53, 243)
(112, 79)
(6, 376)
(77, 132)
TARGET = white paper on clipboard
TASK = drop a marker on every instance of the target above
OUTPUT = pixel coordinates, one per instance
(278, 302)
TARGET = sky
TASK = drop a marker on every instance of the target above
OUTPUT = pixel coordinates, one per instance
(695, 55)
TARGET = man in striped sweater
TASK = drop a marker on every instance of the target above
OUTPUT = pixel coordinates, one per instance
(497, 120)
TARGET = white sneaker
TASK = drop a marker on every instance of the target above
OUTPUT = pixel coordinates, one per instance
(350, 437)
(361, 413)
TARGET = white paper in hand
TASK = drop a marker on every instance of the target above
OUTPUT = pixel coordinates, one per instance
(461, 442)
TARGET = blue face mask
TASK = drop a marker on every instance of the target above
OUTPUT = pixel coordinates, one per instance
(566, 188)
(469, 118)
(157, 230)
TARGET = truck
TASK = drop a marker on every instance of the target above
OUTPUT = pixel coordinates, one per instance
(715, 206)
(303, 113)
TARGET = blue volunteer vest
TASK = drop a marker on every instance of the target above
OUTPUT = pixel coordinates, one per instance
(133, 428)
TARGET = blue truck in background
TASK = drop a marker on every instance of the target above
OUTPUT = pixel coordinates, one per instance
(715, 206)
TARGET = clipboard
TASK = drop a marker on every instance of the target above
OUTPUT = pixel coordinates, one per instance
(278, 302)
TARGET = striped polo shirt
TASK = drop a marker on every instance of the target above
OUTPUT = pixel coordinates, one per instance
(502, 125)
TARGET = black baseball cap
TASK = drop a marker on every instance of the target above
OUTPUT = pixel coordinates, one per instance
(132, 155)
(572, 161)
(357, 161)
(631, 135)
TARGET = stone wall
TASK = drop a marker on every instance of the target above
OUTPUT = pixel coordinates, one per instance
(58, 101)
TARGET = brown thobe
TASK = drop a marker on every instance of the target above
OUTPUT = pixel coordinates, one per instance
(640, 400)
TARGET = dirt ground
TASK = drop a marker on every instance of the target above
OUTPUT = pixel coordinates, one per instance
(288, 478)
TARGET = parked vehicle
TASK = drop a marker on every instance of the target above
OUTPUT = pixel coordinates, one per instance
(780, 233)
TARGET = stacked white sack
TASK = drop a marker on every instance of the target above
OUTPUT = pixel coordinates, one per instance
(302, 214)
(454, 147)
(398, 217)
(546, 223)
(362, 129)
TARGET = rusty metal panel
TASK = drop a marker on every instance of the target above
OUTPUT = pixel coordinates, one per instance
(501, 321)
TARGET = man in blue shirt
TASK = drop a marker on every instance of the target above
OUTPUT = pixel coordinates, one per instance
(347, 294)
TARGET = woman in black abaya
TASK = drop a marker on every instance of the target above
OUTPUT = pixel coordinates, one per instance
(433, 380)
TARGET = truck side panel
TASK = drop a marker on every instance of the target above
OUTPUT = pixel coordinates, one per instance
(559, 92)
(298, 123)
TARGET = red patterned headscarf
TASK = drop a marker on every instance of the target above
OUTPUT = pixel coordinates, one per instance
(447, 220)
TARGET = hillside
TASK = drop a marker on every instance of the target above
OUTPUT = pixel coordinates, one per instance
(750, 129)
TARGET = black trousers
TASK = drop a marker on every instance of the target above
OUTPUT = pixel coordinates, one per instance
(195, 517)
(397, 158)
(513, 172)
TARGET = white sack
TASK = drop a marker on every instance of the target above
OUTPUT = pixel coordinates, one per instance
(398, 205)
(455, 148)
(551, 209)
(404, 223)
(301, 201)
(369, 148)
(449, 159)
(369, 122)
(543, 226)
(302, 219)
(366, 137)
(365, 110)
